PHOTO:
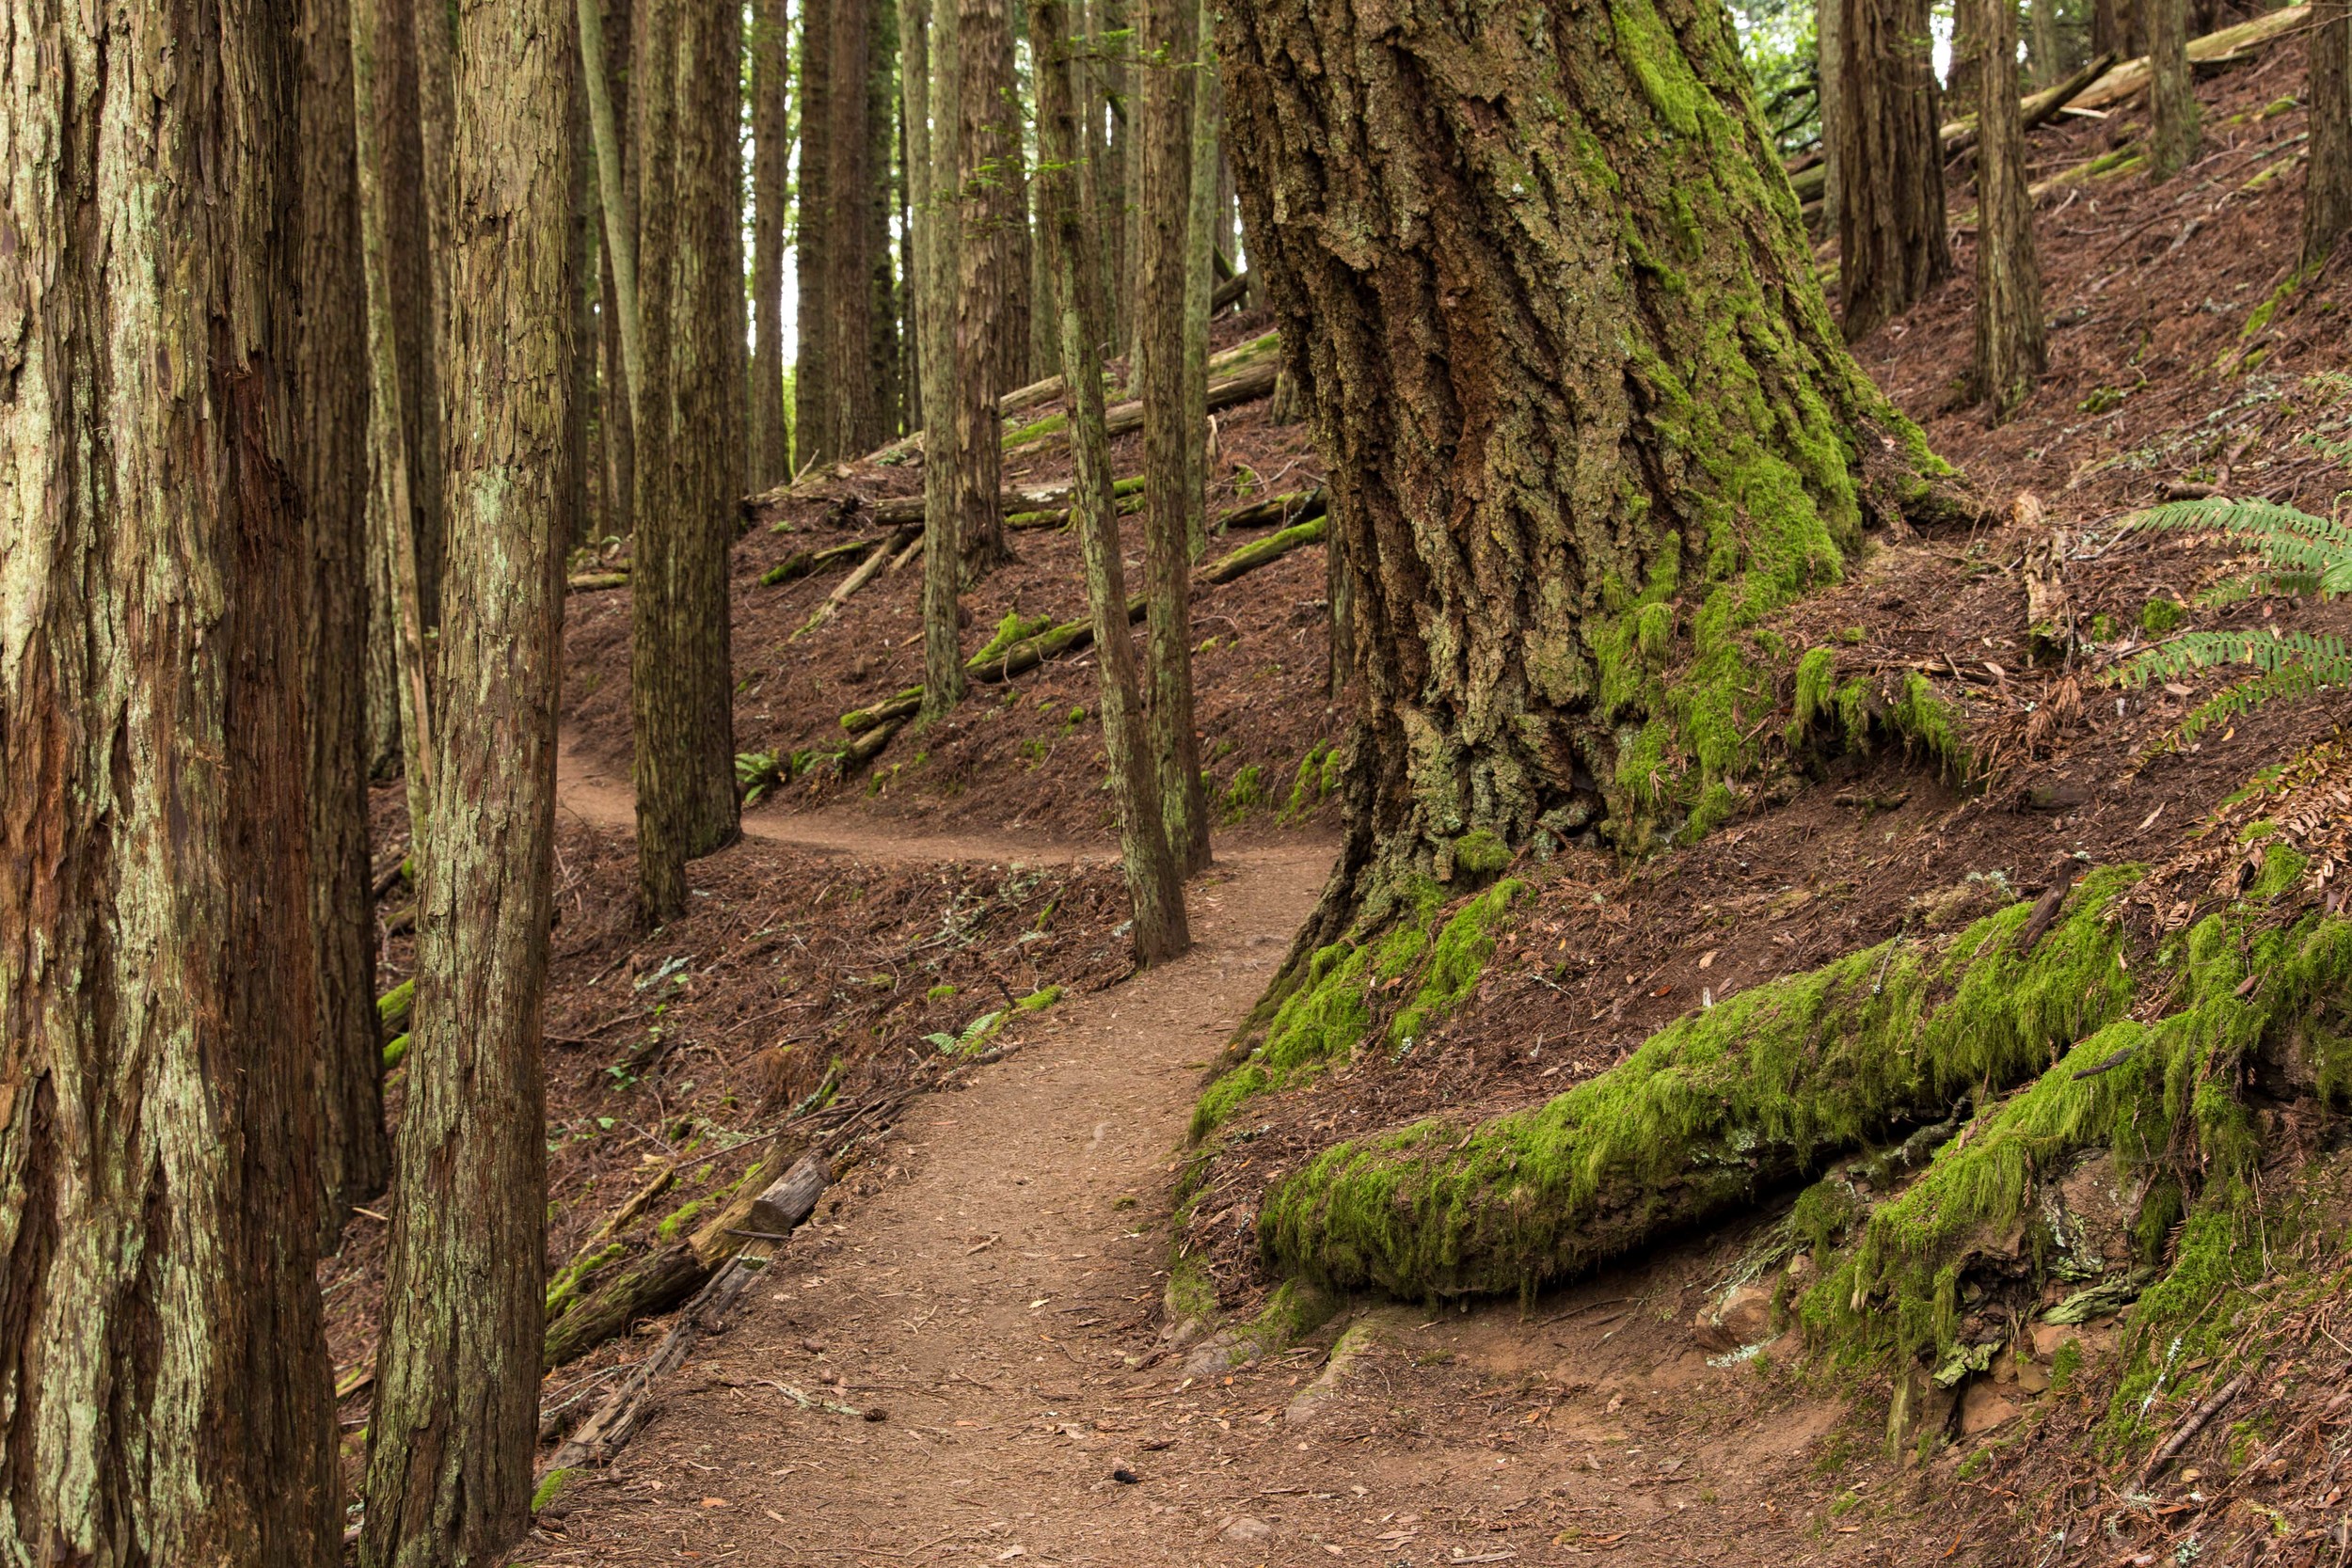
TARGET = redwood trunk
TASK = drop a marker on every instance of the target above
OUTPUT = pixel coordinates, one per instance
(2172, 94)
(2327, 187)
(1170, 38)
(164, 1392)
(2010, 348)
(984, 55)
(813, 381)
(1578, 392)
(846, 315)
(1890, 228)
(934, 136)
(772, 155)
(455, 1418)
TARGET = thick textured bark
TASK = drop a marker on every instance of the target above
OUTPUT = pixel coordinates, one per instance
(771, 154)
(2172, 92)
(1890, 224)
(1562, 325)
(814, 385)
(928, 36)
(879, 411)
(455, 1418)
(164, 1393)
(353, 1158)
(1172, 435)
(849, 191)
(2328, 185)
(688, 448)
(2011, 349)
(984, 55)
(1067, 244)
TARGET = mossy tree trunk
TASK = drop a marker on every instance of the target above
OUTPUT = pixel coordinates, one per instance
(1171, 439)
(2327, 184)
(2172, 93)
(354, 1155)
(1069, 243)
(689, 429)
(455, 1418)
(2011, 349)
(929, 32)
(1583, 408)
(1891, 240)
(1200, 276)
(984, 56)
(165, 1397)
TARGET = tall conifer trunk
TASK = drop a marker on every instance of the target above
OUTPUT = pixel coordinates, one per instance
(1891, 239)
(164, 1395)
(1068, 241)
(2328, 185)
(985, 55)
(813, 381)
(456, 1417)
(931, 31)
(1585, 413)
(772, 168)
(2172, 94)
(2011, 349)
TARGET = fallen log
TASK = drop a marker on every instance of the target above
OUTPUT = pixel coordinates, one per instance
(1263, 551)
(866, 572)
(800, 563)
(1292, 506)
(595, 582)
(2132, 77)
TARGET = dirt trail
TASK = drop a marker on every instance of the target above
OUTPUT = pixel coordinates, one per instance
(988, 1285)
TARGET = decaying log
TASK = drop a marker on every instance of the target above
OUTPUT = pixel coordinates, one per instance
(1292, 506)
(867, 572)
(595, 582)
(2230, 43)
(803, 564)
(1262, 552)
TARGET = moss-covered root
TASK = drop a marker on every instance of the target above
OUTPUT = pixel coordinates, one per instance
(1295, 1310)
(1720, 1105)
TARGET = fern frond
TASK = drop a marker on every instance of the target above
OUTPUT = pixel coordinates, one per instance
(2290, 542)
(2288, 680)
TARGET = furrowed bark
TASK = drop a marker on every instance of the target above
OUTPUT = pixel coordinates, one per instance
(846, 315)
(930, 31)
(814, 385)
(2327, 184)
(354, 1157)
(166, 1394)
(771, 443)
(984, 56)
(1154, 886)
(455, 1416)
(620, 240)
(2011, 349)
(1199, 278)
(1891, 236)
(1561, 239)
(2172, 93)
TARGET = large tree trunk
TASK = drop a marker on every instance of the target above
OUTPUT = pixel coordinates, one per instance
(1561, 325)
(2328, 186)
(1890, 226)
(1170, 437)
(930, 31)
(847, 317)
(984, 51)
(165, 1396)
(814, 388)
(457, 1367)
(771, 153)
(2010, 348)
(688, 432)
(878, 412)
(2172, 94)
(1068, 240)
(355, 1159)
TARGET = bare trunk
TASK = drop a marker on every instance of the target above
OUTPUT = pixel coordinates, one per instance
(2328, 188)
(1828, 22)
(619, 422)
(1068, 241)
(353, 1158)
(846, 316)
(1890, 229)
(2172, 92)
(1199, 283)
(455, 1418)
(1170, 438)
(2048, 54)
(879, 413)
(930, 33)
(984, 53)
(2010, 348)
(772, 152)
(165, 1397)
(814, 388)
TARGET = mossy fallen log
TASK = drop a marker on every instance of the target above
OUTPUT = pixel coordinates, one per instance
(1262, 552)
(597, 582)
(1718, 1108)
(800, 563)
(1291, 506)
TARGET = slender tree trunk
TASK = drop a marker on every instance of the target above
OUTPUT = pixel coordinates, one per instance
(772, 170)
(814, 388)
(930, 31)
(1890, 228)
(455, 1419)
(587, 219)
(354, 1157)
(1170, 438)
(166, 1396)
(1828, 25)
(2328, 186)
(604, 127)
(1200, 282)
(914, 178)
(1016, 259)
(2172, 92)
(984, 53)
(1112, 130)
(1067, 241)
(849, 248)
(1621, 391)
(2011, 350)
(617, 231)
(880, 413)
(1045, 304)
(688, 450)
(2048, 54)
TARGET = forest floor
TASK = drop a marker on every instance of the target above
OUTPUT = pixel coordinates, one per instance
(988, 1279)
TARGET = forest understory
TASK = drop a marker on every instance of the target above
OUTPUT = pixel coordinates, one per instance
(1294, 1336)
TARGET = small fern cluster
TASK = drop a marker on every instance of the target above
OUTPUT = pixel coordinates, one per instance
(2300, 554)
